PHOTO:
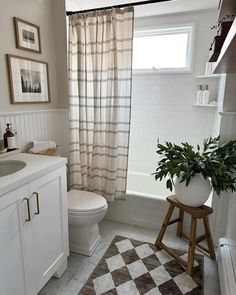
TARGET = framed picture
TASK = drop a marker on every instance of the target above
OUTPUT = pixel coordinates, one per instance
(27, 35)
(28, 80)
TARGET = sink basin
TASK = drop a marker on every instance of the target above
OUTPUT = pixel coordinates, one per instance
(10, 167)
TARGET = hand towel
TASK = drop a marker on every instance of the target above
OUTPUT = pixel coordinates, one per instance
(39, 146)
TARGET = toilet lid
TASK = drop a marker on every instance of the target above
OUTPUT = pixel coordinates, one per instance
(85, 201)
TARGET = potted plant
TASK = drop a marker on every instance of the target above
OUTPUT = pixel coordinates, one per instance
(195, 171)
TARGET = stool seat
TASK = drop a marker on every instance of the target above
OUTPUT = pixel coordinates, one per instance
(196, 213)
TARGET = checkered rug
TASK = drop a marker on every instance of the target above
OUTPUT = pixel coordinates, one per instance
(131, 267)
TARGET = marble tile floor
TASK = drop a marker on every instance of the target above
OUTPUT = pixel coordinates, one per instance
(80, 267)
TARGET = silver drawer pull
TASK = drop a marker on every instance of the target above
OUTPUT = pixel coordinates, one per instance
(28, 209)
(37, 200)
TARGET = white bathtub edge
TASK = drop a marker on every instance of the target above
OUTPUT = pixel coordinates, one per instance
(146, 211)
(145, 195)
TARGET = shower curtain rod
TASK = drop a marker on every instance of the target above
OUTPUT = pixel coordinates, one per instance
(117, 6)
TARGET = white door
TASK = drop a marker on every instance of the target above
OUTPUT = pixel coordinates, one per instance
(49, 223)
(13, 266)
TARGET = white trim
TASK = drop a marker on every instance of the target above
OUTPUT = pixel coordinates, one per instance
(189, 28)
(33, 111)
(165, 71)
(227, 113)
(213, 76)
(206, 105)
(163, 30)
(140, 173)
(145, 195)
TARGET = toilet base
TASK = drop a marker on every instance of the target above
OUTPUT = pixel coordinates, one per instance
(84, 240)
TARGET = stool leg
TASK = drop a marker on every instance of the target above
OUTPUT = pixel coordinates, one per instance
(164, 225)
(209, 238)
(192, 244)
(180, 223)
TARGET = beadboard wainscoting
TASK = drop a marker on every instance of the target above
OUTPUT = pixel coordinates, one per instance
(39, 125)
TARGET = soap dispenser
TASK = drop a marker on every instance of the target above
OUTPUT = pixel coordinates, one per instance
(9, 139)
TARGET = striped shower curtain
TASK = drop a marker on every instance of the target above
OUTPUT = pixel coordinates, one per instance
(100, 81)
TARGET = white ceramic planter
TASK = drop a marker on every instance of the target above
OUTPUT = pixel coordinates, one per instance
(196, 193)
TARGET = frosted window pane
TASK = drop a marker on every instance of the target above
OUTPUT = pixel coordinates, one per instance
(160, 51)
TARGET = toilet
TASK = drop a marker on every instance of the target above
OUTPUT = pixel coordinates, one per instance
(85, 211)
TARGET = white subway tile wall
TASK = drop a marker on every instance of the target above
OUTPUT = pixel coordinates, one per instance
(162, 107)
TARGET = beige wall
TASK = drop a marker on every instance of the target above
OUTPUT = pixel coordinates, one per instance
(58, 7)
(49, 15)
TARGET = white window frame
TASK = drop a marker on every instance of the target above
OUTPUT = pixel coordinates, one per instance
(184, 28)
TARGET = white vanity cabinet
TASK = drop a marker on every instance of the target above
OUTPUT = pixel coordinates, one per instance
(33, 233)
(13, 276)
(49, 224)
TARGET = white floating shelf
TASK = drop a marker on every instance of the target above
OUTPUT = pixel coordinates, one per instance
(216, 76)
(227, 113)
(226, 62)
(205, 105)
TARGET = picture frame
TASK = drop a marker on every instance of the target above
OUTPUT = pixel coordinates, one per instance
(28, 80)
(27, 35)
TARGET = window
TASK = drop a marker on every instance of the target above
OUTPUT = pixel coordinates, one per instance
(163, 50)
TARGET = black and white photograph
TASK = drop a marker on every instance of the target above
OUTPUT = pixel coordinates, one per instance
(27, 35)
(28, 79)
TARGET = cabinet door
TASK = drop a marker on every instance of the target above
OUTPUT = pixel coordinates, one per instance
(49, 223)
(14, 229)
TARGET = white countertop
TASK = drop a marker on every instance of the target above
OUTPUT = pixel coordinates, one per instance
(36, 166)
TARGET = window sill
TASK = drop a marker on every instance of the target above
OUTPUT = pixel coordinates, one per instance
(162, 72)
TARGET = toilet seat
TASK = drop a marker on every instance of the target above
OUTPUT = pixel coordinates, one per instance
(82, 201)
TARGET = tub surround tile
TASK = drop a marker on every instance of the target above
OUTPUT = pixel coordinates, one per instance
(162, 104)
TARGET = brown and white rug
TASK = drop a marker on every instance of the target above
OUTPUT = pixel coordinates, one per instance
(131, 267)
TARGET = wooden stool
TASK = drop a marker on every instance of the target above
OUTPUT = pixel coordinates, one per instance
(199, 212)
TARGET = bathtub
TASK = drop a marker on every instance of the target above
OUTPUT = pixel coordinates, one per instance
(145, 204)
(144, 184)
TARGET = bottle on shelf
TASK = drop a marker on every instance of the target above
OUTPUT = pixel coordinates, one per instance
(206, 95)
(9, 139)
(199, 95)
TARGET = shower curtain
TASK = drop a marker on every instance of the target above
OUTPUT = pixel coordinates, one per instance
(100, 81)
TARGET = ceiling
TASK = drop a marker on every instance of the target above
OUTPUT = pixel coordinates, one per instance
(174, 6)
